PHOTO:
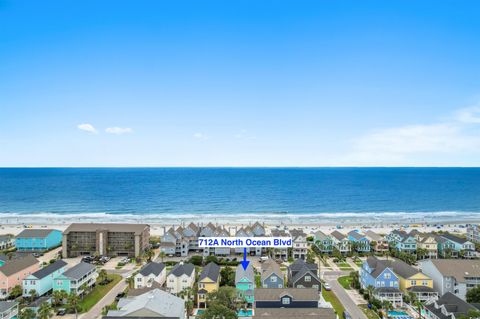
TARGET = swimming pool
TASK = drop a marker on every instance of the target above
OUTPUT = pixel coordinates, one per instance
(245, 313)
(399, 315)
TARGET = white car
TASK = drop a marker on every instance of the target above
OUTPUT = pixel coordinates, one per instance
(264, 258)
(327, 286)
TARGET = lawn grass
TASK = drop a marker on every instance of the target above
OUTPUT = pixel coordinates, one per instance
(98, 292)
(330, 297)
(369, 312)
(343, 264)
(345, 282)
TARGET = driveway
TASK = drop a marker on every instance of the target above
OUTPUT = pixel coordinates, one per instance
(354, 311)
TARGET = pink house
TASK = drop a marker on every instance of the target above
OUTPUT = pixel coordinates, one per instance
(14, 271)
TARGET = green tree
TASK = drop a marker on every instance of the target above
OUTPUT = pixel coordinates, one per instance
(473, 295)
(221, 304)
(472, 314)
(162, 256)
(148, 254)
(27, 313)
(211, 259)
(33, 294)
(102, 275)
(196, 260)
(58, 296)
(45, 311)
(16, 292)
(73, 303)
(227, 277)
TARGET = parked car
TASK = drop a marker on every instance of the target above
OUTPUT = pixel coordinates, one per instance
(346, 315)
(327, 286)
(61, 312)
(120, 296)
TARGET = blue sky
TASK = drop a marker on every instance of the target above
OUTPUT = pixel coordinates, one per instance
(239, 83)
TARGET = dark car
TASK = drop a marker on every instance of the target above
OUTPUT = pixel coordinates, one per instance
(61, 312)
(346, 315)
(120, 296)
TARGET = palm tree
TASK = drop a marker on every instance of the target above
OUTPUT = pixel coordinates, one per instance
(102, 275)
(58, 296)
(33, 294)
(84, 288)
(162, 255)
(16, 291)
(73, 303)
(130, 280)
(27, 313)
(149, 254)
(370, 290)
(45, 311)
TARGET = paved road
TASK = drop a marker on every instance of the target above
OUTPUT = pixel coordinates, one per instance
(343, 297)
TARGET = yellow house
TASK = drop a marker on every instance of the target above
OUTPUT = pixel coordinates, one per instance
(413, 281)
(208, 281)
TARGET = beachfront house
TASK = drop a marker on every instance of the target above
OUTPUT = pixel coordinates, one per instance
(340, 242)
(76, 278)
(377, 274)
(280, 253)
(151, 274)
(473, 233)
(155, 304)
(412, 280)
(209, 281)
(8, 309)
(377, 242)
(300, 245)
(427, 246)
(303, 275)
(41, 281)
(6, 242)
(38, 240)
(449, 306)
(245, 284)
(323, 242)
(14, 271)
(360, 242)
(446, 248)
(272, 275)
(286, 298)
(452, 275)
(215, 231)
(180, 277)
(461, 246)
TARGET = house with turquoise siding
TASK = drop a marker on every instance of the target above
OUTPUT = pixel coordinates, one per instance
(74, 278)
(359, 241)
(38, 240)
(42, 280)
(323, 242)
(460, 246)
(245, 283)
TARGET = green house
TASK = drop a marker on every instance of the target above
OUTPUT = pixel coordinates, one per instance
(245, 283)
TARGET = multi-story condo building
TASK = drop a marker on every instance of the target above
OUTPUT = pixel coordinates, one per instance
(378, 242)
(41, 281)
(341, 242)
(473, 233)
(76, 278)
(323, 242)
(452, 275)
(300, 245)
(449, 306)
(38, 240)
(360, 242)
(105, 240)
(377, 274)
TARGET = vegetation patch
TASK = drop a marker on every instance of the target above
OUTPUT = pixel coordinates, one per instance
(98, 292)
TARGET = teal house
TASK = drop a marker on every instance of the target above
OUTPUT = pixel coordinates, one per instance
(76, 278)
(34, 240)
(42, 280)
(245, 283)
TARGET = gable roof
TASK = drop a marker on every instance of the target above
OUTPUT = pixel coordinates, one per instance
(156, 301)
(454, 238)
(300, 264)
(321, 235)
(212, 271)
(240, 273)
(304, 271)
(356, 235)
(452, 304)
(79, 270)
(457, 268)
(378, 266)
(373, 236)
(48, 270)
(5, 305)
(35, 233)
(270, 267)
(152, 268)
(338, 235)
(182, 269)
(16, 265)
(274, 294)
(401, 268)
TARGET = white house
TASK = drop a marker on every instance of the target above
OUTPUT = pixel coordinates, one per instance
(150, 274)
(181, 276)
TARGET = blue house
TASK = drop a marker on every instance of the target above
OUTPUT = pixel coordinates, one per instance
(42, 280)
(458, 246)
(375, 273)
(361, 242)
(34, 240)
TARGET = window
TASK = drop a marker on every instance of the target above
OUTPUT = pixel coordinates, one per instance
(139, 279)
(59, 283)
(413, 282)
(387, 275)
(280, 286)
(285, 301)
(273, 279)
(201, 285)
(308, 278)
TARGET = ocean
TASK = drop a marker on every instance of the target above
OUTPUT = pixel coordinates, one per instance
(237, 194)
